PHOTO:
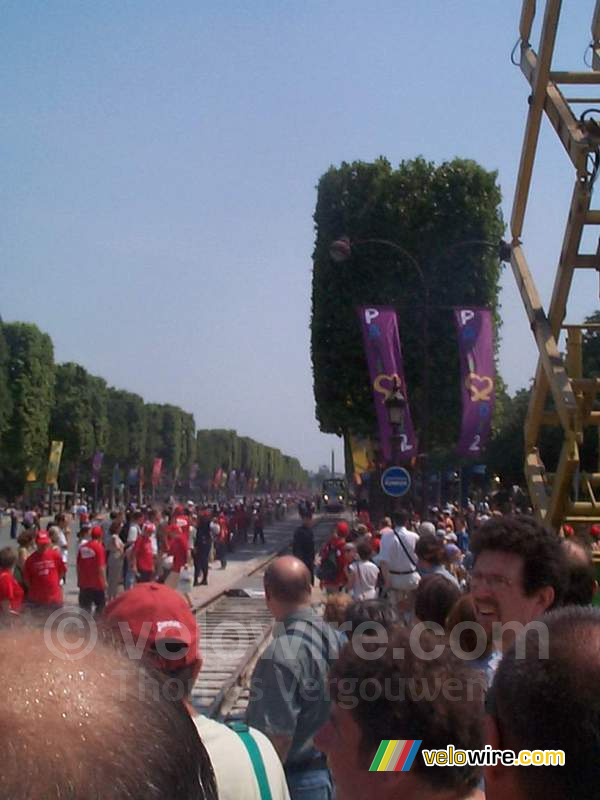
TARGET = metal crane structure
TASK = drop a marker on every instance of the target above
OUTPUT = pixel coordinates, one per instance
(561, 396)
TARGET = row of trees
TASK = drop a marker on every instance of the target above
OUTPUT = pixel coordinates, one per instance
(41, 401)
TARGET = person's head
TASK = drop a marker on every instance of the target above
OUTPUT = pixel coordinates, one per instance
(53, 533)
(468, 635)
(8, 558)
(93, 727)
(549, 701)
(60, 519)
(137, 517)
(42, 541)
(287, 585)
(84, 530)
(426, 528)
(381, 612)
(336, 606)
(391, 696)
(160, 623)
(401, 518)
(459, 523)
(519, 571)
(364, 550)
(581, 574)
(341, 530)
(26, 538)
(96, 532)
(434, 598)
(429, 549)
(387, 522)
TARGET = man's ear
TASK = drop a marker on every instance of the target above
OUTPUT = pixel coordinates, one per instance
(546, 596)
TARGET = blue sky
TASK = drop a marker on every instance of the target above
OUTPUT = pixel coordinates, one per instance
(158, 164)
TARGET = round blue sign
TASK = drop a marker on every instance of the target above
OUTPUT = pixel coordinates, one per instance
(395, 481)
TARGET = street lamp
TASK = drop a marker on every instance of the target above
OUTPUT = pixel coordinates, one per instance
(395, 404)
(340, 251)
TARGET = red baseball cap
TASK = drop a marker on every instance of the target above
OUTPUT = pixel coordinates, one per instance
(595, 531)
(149, 528)
(97, 532)
(157, 621)
(42, 537)
(343, 529)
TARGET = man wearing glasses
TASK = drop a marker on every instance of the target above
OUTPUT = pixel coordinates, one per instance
(519, 573)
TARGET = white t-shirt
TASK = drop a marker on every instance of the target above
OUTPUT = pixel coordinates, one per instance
(392, 552)
(231, 762)
(365, 582)
(132, 533)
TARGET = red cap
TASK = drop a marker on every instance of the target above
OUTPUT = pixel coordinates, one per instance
(595, 531)
(343, 529)
(171, 620)
(97, 532)
(42, 537)
(148, 528)
(568, 530)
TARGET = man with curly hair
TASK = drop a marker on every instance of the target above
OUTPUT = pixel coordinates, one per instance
(519, 573)
(409, 689)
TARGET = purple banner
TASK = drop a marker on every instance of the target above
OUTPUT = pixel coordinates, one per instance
(384, 356)
(477, 374)
(96, 465)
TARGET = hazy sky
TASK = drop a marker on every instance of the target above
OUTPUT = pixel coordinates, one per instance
(158, 164)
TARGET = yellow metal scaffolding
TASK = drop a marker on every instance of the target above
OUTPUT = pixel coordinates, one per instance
(561, 393)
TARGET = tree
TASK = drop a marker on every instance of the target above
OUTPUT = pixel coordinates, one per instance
(31, 383)
(429, 211)
(79, 417)
(126, 443)
(6, 404)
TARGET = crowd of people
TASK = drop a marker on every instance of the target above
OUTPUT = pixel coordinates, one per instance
(473, 633)
(137, 545)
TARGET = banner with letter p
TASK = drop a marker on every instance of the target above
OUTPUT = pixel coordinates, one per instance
(477, 378)
(384, 356)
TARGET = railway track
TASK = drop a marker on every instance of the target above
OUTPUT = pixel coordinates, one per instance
(234, 630)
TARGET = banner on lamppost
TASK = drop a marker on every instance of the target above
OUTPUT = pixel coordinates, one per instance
(96, 466)
(156, 470)
(379, 326)
(363, 458)
(56, 449)
(477, 377)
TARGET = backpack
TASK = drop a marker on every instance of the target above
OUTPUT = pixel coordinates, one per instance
(328, 568)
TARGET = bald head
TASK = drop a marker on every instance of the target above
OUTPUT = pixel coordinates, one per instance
(287, 580)
(92, 727)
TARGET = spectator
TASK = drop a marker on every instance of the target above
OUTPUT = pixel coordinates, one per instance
(431, 552)
(169, 632)
(143, 554)
(134, 530)
(202, 548)
(398, 561)
(362, 717)
(91, 572)
(105, 729)
(11, 593)
(363, 574)
(302, 649)
(434, 599)
(26, 542)
(519, 573)
(42, 573)
(332, 563)
(462, 534)
(259, 526)
(582, 585)
(179, 551)
(381, 612)
(336, 606)
(549, 701)
(470, 641)
(303, 545)
(116, 552)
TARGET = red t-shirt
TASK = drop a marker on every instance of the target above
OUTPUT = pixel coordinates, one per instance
(338, 545)
(10, 590)
(43, 571)
(142, 552)
(179, 550)
(183, 523)
(90, 558)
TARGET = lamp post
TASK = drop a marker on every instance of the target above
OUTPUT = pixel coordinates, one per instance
(395, 404)
(340, 251)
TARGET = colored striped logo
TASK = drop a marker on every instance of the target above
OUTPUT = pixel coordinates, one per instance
(395, 755)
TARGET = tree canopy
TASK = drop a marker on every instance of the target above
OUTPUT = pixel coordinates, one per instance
(432, 212)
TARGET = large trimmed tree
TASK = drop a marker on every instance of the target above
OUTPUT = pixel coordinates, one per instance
(430, 211)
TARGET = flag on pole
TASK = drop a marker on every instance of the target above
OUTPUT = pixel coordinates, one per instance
(56, 449)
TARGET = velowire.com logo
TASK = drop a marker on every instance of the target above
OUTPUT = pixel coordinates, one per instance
(395, 755)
